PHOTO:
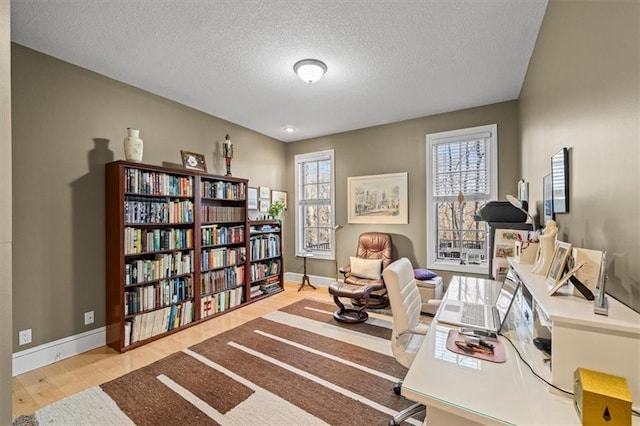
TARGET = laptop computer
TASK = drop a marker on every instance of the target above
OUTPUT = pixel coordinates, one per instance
(478, 315)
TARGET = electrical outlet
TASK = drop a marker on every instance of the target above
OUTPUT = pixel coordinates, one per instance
(24, 337)
(88, 318)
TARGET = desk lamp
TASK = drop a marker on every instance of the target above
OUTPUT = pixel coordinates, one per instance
(517, 204)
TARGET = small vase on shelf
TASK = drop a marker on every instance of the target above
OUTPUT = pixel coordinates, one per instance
(133, 146)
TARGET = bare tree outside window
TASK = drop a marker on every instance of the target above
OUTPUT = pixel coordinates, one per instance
(460, 185)
(315, 183)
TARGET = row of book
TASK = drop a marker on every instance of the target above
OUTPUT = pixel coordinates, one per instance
(219, 257)
(150, 324)
(257, 229)
(221, 214)
(262, 270)
(270, 285)
(222, 279)
(157, 183)
(162, 266)
(214, 235)
(223, 190)
(210, 305)
(138, 240)
(263, 246)
(154, 296)
(157, 210)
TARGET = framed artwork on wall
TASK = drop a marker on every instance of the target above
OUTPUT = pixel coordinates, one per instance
(277, 195)
(560, 181)
(378, 199)
(252, 198)
(265, 193)
(547, 199)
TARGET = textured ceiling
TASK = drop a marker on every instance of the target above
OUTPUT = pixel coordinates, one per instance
(388, 60)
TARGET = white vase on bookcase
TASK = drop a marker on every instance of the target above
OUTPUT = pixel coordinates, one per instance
(133, 146)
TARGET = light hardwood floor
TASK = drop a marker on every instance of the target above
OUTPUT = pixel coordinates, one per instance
(43, 386)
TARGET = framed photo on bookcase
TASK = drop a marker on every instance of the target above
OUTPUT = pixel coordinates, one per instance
(193, 161)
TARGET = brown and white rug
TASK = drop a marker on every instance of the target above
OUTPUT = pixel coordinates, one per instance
(294, 366)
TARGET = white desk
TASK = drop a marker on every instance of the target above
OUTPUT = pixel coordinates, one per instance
(457, 388)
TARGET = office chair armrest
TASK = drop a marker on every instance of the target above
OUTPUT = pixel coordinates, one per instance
(421, 329)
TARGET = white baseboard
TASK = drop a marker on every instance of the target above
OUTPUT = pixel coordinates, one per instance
(48, 353)
(51, 352)
(313, 279)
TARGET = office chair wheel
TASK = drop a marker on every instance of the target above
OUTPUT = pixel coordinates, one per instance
(396, 388)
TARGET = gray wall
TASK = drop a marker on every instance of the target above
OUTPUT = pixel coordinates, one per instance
(67, 123)
(400, 147)
(582, 91)
(5, 215)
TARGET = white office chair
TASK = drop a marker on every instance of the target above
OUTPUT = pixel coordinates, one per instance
(408, 333)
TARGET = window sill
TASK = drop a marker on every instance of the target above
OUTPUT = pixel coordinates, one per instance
(456, 267)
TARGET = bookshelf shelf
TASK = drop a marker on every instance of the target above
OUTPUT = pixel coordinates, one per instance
(176, 250)
(266, 274)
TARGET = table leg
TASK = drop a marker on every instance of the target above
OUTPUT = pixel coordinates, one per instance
(305, 277)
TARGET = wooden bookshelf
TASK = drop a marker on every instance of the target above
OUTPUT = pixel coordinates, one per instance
(176, 250)
(266, 274)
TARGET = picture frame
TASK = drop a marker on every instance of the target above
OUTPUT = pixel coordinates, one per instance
(264, 193)
(263, 205)
(561, 252)
(547, 199)
(252, 198)
(277, 195)
(193, 161)
(560, 181)
(378, 199)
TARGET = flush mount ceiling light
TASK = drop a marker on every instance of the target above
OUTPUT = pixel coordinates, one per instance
(310, 70)
(289, 129)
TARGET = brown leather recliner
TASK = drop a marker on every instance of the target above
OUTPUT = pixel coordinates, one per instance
(371, 245)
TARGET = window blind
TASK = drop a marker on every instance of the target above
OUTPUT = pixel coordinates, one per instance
(461, 165)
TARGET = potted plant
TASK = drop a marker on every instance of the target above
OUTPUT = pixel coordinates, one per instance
(275, 210)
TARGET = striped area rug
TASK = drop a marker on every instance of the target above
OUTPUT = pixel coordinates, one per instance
(294, 366)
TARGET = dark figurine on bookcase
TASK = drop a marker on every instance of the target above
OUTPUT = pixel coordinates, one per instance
(228, 153)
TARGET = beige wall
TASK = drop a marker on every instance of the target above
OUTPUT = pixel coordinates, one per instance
(6, 331)
(400, 147)
(67, 123)
(582, 91)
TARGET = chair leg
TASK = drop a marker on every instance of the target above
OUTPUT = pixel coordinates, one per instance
(406, 413)
(375, 301)
(397, 388)
(349, 316)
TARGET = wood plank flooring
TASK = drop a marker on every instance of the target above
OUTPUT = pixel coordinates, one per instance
(43, 386)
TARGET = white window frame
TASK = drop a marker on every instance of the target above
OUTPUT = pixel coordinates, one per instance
(432, 226)
(299, 159)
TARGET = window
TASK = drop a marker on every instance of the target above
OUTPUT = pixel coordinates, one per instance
(315, 212)
(462, 176)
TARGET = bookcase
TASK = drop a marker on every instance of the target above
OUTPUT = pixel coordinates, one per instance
(266, 264)
(223, 244)
(176, 250)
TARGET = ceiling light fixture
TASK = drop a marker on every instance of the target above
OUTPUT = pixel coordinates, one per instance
(310, 70)
(289, 129)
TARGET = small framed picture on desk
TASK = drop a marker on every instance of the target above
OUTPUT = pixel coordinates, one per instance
(558, 262)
